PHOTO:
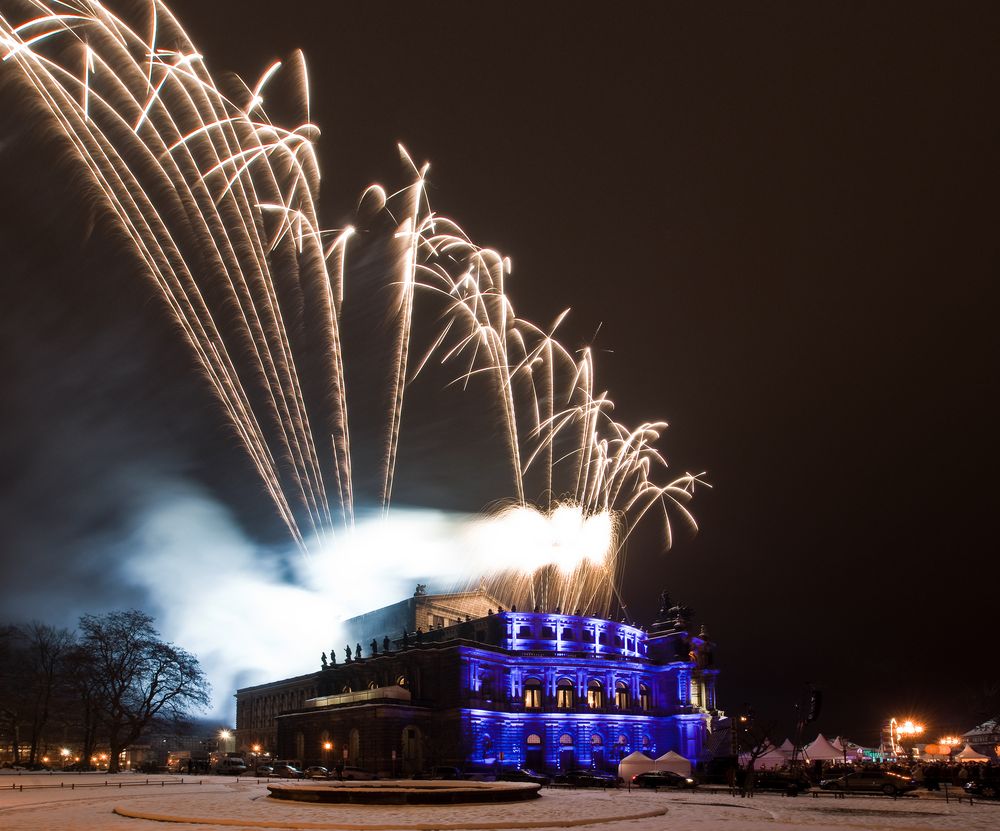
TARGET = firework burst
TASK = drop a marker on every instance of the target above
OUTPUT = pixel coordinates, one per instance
(220, 207)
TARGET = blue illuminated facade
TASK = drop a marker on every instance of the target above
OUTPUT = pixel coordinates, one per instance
(566, 691)
(545, 690)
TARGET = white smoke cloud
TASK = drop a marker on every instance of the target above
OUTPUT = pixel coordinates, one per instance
(253, 615)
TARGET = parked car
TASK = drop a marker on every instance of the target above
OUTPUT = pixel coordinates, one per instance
(986, 788)
(231, 765)
(781, 780)
(440, 772)
(264, 770)
(871, 781)
(351, 773)
(662, 779)
(522, 775)
(316, 772)
(286, 772)
(587, 779)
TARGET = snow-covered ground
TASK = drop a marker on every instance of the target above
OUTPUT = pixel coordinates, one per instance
(243, 804)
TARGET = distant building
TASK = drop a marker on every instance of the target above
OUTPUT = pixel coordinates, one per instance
(468, 684)
(985, 738)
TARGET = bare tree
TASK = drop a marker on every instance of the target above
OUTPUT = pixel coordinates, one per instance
(139, 677)
(45, 651)
(754, 741)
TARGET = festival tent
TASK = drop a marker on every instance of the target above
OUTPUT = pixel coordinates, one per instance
(675, 762)
(774, 757)
(837, 743)
(787, 746)
(820, 750)
(969, 755)
(635, 763)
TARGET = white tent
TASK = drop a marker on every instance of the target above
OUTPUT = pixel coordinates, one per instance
(967, 754)
(675, 762)
(787, 746)
(820, 750)
(775, 757)
(635, 763)
(838, 743)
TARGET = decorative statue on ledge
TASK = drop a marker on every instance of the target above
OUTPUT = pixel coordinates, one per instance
(406, 640)
(333, 658)
(347, 653)
(357, 652)
(421, 590)
(374, 647)
(385, 644)
(323, 660)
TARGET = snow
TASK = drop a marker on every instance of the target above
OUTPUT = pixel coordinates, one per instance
(245, 805)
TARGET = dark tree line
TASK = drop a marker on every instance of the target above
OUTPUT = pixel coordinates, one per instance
(101, 686)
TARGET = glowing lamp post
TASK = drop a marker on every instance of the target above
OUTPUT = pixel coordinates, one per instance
(327, 747)
(908, 732)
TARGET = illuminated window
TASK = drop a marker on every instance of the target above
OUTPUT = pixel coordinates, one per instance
(564, 694)
(532, 694)
(438, 622)
(595, 695)
(566, 740)
(401, 681)
(486, 687)
(533, 740)
(596, 740)
(621, 696)
(645, 697)
(347, 688)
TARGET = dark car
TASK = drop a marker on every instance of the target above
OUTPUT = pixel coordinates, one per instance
(587, 779)
(986, 788)
(779, 780)
(440, 772)
(871, 781)
(316, 772)
(522, 775)
(351, 774)
(286, 772)
(662, 779)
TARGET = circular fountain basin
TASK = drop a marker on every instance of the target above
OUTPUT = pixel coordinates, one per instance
(405, 792)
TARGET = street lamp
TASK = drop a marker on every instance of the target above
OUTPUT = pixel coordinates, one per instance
(908, 730)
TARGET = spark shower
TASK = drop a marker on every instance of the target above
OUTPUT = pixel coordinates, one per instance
(220, 207)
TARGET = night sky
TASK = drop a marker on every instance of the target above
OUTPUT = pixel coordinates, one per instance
(778, 218)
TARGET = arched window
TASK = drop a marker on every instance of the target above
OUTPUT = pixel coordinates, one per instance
(621, 695)
(595, 695)
(533, 740)
(645, 697)
(532, 694)
(347, 689)
(487, 747)
(564, 694)
(372, 685)
(566, 740)
(402, 682)
(596, 740)
(647, 743)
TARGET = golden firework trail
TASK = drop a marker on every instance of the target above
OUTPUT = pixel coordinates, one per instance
(220, 205)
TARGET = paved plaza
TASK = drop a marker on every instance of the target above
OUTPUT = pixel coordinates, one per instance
(83, 802)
